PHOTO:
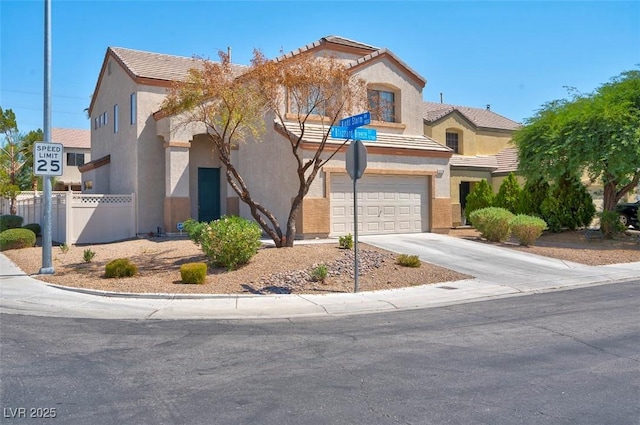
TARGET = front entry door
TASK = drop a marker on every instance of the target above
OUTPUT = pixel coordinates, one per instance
(208, 194)
(465, 189)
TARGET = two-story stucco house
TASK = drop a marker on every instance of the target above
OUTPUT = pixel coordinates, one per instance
(175, 174)
(77, 151)
(481, 142)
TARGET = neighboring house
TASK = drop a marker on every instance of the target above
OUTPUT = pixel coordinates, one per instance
(481, 142)
(175, 174)
(77, 151)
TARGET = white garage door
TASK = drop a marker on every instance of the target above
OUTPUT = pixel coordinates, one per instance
(386, 204)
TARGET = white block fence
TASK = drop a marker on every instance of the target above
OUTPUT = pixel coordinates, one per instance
(78, 218)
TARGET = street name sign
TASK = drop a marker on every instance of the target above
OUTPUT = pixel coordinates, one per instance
(356, 120)
(47, 159)
(368, 134)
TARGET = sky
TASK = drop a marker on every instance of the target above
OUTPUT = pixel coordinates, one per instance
(512, 55)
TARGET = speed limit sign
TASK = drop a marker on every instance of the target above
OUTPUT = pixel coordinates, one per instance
(47, 159)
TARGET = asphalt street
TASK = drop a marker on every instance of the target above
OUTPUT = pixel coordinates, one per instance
(563, 357)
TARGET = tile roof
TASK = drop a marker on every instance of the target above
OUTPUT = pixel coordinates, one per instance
(480, 117)
(72, 137)
(479, 161)
(507, 161)
(158, 66)
(315, 133)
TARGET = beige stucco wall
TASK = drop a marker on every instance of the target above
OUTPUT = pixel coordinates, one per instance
(384, 74)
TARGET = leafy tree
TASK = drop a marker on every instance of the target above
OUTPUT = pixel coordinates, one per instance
(28, 180)
(568, 206)
(234, 106)
(11, 158)
(481, 196)
(597, 133)
(508, 196)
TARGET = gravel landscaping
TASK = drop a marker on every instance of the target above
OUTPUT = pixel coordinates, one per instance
(289, 270)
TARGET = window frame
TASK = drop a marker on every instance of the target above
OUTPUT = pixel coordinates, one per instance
(377, 113)
(450, 143)
(75, 156)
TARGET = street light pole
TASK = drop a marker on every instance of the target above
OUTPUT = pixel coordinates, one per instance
(47, 266)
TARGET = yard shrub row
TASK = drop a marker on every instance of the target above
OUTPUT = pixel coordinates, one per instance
(566, 204)
(498, 225)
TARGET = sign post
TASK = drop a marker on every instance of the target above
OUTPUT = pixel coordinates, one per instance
(356, 163)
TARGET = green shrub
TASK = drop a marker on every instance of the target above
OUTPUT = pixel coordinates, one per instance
(527, 228)
(120, 267)
(532, 196)
(34, 227)
(16, 239)
(408, 260)
(194, 229)
(193, 273)
(480, 197)
(568, 206)
(346, 241)
(64, 248)
(610, 224)
(10, 222)
(493, 223)
(88, 255)
(230, 241)
(508, 196)
(319, 273)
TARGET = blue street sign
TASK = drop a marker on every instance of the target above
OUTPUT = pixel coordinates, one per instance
(368, 134)
(356, 120)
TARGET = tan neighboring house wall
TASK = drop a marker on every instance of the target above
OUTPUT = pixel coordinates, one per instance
(484, 148)
(77, 150)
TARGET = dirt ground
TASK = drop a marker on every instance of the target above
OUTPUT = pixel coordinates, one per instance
(287, 270)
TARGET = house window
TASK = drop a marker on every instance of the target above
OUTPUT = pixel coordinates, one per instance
(95, 123)
(115, 118)
(88, 184)
(105, 118)
(75, 159)
(452, 141)
(382, 105)
(132, 101)
(308, 101)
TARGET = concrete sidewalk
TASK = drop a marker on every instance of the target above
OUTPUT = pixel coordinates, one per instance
(499, 272)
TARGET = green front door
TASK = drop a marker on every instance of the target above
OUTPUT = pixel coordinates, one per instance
(208, 194)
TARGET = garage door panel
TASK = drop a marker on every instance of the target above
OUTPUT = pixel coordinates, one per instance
(386, 204)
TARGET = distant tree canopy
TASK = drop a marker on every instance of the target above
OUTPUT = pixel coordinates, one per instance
(596, 133)
(16, 158)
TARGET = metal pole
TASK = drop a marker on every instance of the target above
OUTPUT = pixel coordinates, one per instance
(355, 222)
(47, 267)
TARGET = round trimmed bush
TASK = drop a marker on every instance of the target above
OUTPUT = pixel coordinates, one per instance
(120, 267)
(193, 273)
(493, 223)
(17, 239)
(34, 227)
(527, 228)
(10, 222)
(230, 241)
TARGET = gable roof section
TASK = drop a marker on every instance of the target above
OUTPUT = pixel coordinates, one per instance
(369, 53)
(314, 133)
(72, 137)
(479, 117)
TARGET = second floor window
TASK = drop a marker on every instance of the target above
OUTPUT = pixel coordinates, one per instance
(382, 105)
(452, 142)
(75, 159)
(116, 111)
(307, 101)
